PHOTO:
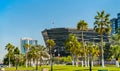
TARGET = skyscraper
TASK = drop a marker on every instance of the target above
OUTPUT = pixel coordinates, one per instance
(118, 25)
(24, 41)
(115, 24)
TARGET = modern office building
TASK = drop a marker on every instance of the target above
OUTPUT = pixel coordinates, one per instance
(24, 41)
(115, 24)
(118, 15)
(59, 35)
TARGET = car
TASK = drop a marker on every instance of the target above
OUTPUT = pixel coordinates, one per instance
(3, 66)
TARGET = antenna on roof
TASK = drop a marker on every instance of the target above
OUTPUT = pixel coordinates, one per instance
(52, 23)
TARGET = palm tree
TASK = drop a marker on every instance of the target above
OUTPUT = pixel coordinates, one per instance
(115, 47)
(102, 26)
(72, 44)
(20, 58)
(33, 54)
(17, 56)
(30, 57)
(118, 30)
(42, 52)
(36, 53)
(118, 34)
(81, 53)
(9, 48)
(83, 26)
(16, 50)
(92, 50)
(114, 39)
(116, 53)
(27, 47)
(50, 44)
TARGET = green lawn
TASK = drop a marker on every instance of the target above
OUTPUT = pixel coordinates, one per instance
(68, 68)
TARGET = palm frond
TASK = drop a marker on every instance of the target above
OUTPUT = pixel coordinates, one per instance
(107, 30)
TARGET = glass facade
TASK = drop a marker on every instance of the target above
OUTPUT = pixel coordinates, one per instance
(24, 41)
(118, 23)
(115, 24)
(118, 20)
(59, 35)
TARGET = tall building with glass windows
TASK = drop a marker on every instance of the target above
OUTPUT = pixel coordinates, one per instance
(24, 41)
(115, 24)
(118, 20)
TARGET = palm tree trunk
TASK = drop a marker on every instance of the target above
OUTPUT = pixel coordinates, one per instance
(33, 62)
(51, 60)
(92, 64)
(117, 62)
(76, 61)
(88, 61)
(40, 61)
(84, 50)
(26, 59)
(9, 60)
(17, 62)
(37, 64)
(102, 51)
(82, 63)
(30, 62)
(73, 61)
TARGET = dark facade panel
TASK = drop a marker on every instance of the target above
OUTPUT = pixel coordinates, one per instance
(59, 35)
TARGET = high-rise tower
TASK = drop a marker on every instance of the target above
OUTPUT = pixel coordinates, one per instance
(24, 41)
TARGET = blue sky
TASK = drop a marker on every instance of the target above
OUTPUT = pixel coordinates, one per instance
(27, 18)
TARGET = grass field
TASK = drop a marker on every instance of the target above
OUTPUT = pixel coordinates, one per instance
(68, 68)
